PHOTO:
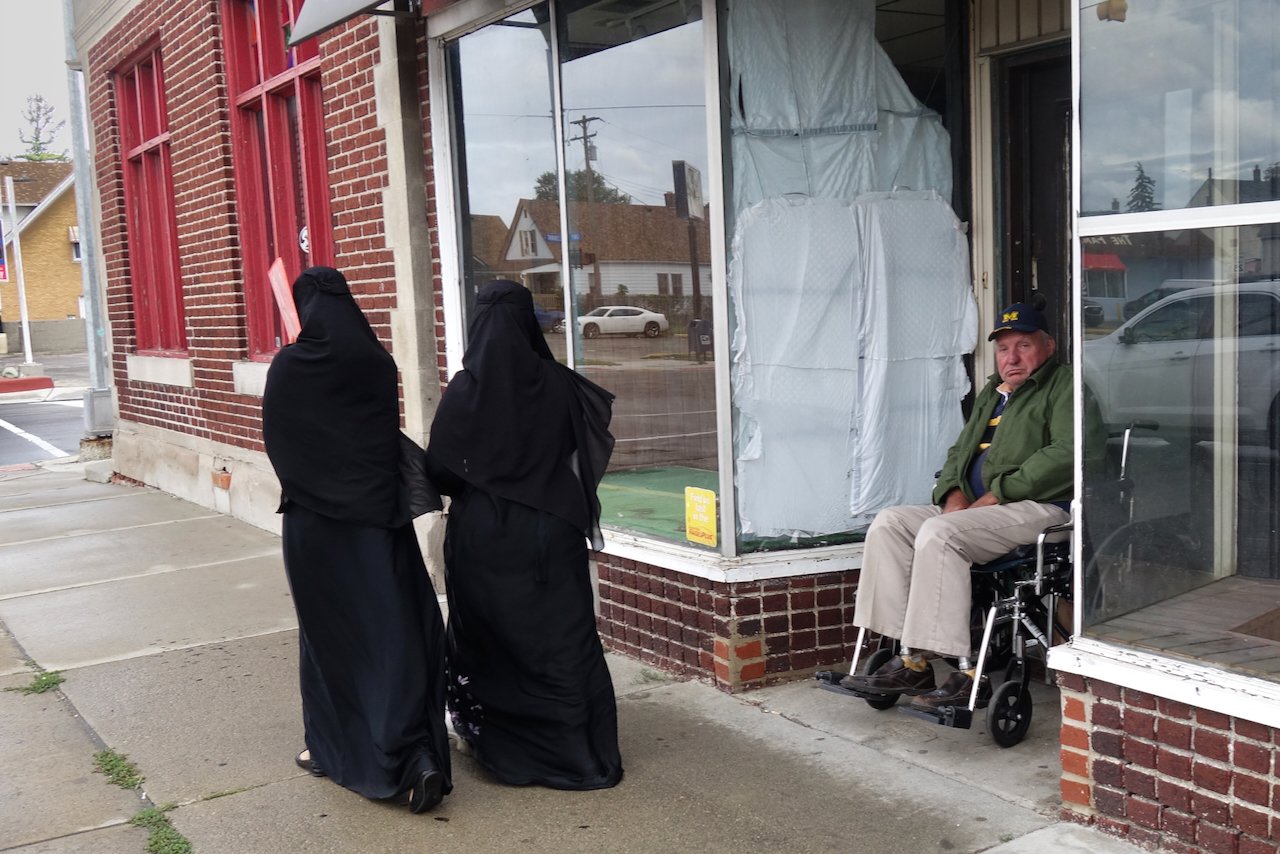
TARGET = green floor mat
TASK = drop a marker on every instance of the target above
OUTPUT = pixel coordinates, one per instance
(651, 501)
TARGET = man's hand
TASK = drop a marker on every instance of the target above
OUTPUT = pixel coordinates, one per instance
(954, 501)
(987, 500)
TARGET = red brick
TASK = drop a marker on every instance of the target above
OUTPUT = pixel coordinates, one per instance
(1209, 808)
(1173, 794)
(1139, 699)
(1074, 792)
(1139, 724)
(1211, 744)
(1211, 777)
(774, 602)
(1178, 824)
(1254, 790)
(804, 620)
(1109, 801)
(752, 671)
(1105, 690)
(1072, 708)
(1106, 743)
(1217, 840)
(828, 597)
(1143, 812)
(1108, 772)
(1255, 731)
(1249, 845)
(746, 607)
(1072, 736)
(802, 600)
(776, 624)
(1071, 682)
(1173, 709)
(1139, 752)
(1106, 715)
(1173, 734)
(1250, 820)
(1252, 757)
(1139, 782)
(1074, 762)
(1145, 836)
(754, 649)
(1173, 764)
(1216, 720)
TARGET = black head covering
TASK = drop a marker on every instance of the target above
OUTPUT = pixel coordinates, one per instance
(516, 423)
(331, 411)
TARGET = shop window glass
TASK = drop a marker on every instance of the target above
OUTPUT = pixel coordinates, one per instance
(1177, 104)
(1182, 556)
(280, 161)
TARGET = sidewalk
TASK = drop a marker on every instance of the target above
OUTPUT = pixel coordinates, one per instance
(175, 633)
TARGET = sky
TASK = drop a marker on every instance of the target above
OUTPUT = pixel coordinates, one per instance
(32, 62)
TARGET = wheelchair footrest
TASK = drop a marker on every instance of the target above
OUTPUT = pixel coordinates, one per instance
(958, 717)
(830, 680)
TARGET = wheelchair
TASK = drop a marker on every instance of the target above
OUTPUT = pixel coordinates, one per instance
(1013, 613)
(1013, 620)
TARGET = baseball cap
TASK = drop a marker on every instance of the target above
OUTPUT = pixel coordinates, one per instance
(1019, 317)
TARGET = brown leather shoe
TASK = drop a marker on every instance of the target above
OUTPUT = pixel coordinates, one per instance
(954, 692)
(893, 677)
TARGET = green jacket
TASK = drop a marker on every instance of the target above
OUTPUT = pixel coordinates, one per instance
(1032, 455)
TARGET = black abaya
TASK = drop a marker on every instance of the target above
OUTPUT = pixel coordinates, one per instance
(520, 442)
(370, 632)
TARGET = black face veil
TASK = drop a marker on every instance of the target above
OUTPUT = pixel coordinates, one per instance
(516, 423)
(331, 412)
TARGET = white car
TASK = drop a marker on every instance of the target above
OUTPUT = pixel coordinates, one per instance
(622, 320)
(1160, 364)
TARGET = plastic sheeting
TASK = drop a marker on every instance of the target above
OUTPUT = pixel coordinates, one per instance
(851, 320)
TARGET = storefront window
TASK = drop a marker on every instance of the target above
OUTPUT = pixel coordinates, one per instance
(1181, 555)
(1177, 104)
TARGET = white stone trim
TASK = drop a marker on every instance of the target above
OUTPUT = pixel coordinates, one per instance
(250, 377)
(751, 567)
(165, 370)
(1200, 685)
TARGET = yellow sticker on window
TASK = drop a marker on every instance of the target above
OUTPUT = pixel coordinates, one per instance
(700, 515)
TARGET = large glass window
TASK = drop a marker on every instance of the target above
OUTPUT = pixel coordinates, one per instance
(1189, 389)
(1178, 104)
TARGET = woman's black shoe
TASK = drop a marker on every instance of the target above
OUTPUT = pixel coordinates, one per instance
(427, 793)
(308, 765)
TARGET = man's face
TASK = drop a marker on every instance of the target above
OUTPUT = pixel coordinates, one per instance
(1019, 354)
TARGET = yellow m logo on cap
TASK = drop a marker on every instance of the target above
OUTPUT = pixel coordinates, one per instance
(1009, 317)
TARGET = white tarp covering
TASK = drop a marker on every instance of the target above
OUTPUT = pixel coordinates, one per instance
(852, 304)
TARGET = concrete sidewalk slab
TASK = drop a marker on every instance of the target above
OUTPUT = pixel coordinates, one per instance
(133, 617)
(39, 483)
(1025, 774)
(12, 659)
(48, 565)
(119, 839)
(49, 789)
(13, 495)
(199, 721)
(131, 508)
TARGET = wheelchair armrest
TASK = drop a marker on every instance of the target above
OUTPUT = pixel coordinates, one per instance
(1040, 546)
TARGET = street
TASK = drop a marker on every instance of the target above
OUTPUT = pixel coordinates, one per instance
(42, 430)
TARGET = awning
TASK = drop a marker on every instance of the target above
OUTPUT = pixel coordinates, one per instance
(316, 16)
(1102, 261)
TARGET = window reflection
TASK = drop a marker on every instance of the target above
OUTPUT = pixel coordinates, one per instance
(1194, 377)
(1178, 105)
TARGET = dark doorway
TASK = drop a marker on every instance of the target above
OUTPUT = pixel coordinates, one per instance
(1034, 174)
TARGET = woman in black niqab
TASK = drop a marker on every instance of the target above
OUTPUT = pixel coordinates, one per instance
(371, 638)
(520, 442)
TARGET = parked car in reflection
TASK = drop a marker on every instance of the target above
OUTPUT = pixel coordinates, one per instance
(1168, 288)
(622, 320)
(549, 319)
(1092, 311)
(1165, 363)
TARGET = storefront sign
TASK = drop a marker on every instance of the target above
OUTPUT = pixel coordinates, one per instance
(700, 515)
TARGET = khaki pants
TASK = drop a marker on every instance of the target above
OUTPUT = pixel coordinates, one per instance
(915, 568)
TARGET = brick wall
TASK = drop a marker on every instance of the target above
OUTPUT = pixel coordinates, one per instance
(189, 33)
(1165, 774)
(738, 635)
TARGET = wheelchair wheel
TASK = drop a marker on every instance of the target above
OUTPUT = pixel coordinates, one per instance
(874, 663)
(1009, 714)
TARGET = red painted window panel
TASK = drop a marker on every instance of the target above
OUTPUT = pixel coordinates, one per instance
(280, 162)
(159, 319)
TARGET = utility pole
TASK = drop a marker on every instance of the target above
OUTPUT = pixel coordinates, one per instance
(588, 152)
(23, 319)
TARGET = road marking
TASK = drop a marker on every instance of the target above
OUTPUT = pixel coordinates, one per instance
(35, 440)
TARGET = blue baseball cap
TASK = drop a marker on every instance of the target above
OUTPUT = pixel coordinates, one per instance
(1019, 317)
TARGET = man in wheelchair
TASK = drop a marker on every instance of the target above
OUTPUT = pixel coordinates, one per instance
(1007, 477)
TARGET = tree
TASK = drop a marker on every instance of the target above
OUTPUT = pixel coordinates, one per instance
(39, 115)
(547, 190)
(1143, 195)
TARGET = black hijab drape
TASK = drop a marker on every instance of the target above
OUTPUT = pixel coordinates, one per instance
(516, 423)
(331, 412)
